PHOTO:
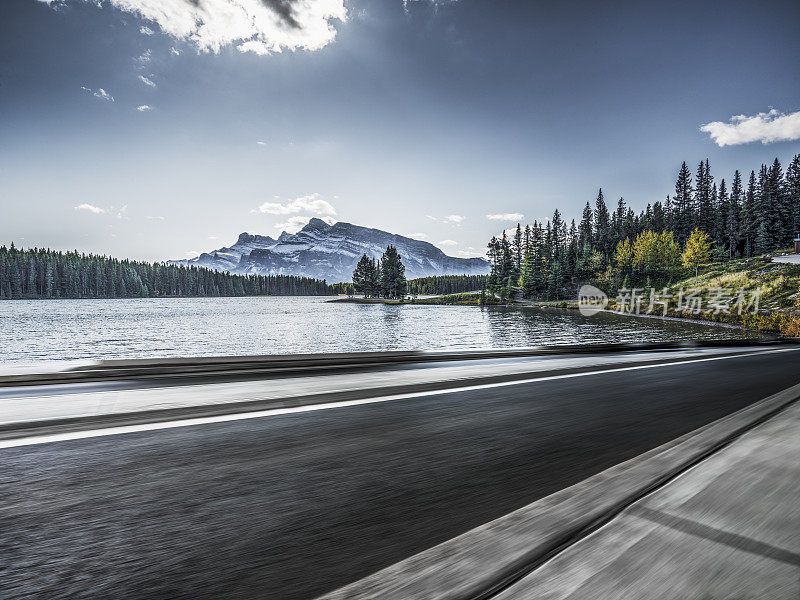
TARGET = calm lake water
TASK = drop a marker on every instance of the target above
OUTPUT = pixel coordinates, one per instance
(32, 331)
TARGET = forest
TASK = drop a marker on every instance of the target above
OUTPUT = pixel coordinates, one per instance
(447, 284)
(39, 273)
(613, 248)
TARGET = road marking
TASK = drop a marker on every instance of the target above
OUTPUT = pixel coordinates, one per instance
(274, 412)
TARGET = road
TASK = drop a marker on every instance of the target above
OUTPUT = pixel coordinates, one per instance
(295, 505)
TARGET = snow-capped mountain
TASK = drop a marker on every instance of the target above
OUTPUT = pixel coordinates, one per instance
(331, 252)
(227, 259)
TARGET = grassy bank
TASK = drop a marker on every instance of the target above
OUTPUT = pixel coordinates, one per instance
(777, 286)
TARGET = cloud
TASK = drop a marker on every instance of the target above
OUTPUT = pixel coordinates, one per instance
(144, 58)
(155, 218)
(311, 203)
(295, 224)
(99, 93)
(144, 108)
(260, 143)
(470, 253)
(146, 30)
(90, 208)
(768, 127)
(175, 51)
(506, 217)
(452, 219)
(434, 3)
(448, 243)
(417, 236)
(259, 26)
(146, 81)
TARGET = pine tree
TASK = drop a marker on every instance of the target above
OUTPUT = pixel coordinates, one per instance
(363, 275)
(393, 274)
(749, 220)
(704, 201)
(683, 219)
(732, 216)
(585, 229)
(602, 225)
(764, 213)
(517, 250)
(793, 194)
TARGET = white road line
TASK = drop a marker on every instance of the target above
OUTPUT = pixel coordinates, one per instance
(274, 412)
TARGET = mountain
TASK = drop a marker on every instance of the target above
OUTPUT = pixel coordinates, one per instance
(324, 251)
(227, 259)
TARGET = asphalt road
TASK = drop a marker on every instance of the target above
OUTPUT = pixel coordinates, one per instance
(296, 505)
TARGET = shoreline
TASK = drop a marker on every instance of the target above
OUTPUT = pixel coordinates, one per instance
(560, 305)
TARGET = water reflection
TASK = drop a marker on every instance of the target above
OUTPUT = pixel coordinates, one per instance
(79, 329)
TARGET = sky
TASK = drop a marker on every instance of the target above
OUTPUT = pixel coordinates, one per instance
(158, 129)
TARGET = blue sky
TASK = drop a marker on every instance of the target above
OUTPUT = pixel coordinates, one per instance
(152, 138)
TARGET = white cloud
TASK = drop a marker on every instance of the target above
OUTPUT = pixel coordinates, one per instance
(146, 81)
(506, 217)
(417, 236)
(295, 224)
(768, 127)
(90, 208)
(452, 219)
(99, 93)
(448, 243)
(144, 108)
(155, 218)
(434, 3)
(146, 30)
(262, 27)
(143, 58)
(261, 143)
(470, 253)
(173, 50)
(311, 203)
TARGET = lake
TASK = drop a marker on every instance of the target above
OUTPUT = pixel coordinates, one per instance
(32, 331)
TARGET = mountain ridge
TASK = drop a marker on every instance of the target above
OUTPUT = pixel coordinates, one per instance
(324, 251)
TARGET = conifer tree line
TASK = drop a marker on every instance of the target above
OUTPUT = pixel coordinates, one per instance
(447, 284)
(39, 273)
(612, 246)
(381, 279)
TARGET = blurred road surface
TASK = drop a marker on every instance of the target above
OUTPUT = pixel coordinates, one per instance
(294, 505)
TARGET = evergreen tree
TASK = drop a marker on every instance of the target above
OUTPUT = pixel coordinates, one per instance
(764, 213)
(732, 216)
(749, 221)
(602, 225)
(704, 201)
(517, 250)
(585, 229)
(40, 273)
(793, 194)
(364, 276)
(392, 274)
(683, 219)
